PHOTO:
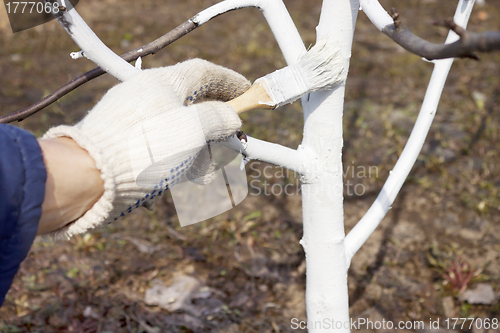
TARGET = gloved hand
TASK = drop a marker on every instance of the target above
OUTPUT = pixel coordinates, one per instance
(145, 134)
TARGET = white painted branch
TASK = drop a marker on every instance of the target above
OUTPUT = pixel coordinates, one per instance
(294, 160)
(376, 13)
(92, 47)
(277, 16)
(322, 188)
(365, 227)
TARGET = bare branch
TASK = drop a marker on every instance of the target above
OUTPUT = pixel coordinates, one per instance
(142, 51)
(450, 24)
(465, 47)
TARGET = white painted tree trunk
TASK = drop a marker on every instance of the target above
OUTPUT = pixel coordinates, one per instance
(322, 187)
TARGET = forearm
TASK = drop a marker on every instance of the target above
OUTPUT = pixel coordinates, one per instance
(73, 184)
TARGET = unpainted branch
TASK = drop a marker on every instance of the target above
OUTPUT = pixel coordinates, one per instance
(465, 47)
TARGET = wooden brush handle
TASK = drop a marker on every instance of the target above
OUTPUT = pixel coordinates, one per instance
(255, 97)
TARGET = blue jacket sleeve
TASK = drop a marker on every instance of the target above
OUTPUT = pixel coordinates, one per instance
(22, 189)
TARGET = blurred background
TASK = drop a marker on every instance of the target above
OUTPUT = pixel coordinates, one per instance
(435, 255)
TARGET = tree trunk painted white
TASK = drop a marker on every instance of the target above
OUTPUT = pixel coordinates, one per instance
(322, 186)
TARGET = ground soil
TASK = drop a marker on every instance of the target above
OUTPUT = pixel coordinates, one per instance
(441, 237)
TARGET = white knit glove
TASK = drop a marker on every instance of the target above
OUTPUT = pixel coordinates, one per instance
(146, 133)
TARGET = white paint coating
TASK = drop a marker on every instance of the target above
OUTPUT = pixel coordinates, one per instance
(376, 13)
(76, 55)
(255, 149)
(294, 160)
(321, 68)
(94, 49)
(285, 85)
(328, 253)
(138, 63)
(360, 233)
(322, 188)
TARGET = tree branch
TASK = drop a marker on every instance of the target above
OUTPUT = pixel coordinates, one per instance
(465, 47)
(272, 153)
(93, 48)
(365, 227)
(142, 51)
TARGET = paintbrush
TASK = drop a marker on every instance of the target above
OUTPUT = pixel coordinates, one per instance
(320, 68)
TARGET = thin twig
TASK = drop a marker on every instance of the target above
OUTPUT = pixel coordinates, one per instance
(465, 47)
(142, 51)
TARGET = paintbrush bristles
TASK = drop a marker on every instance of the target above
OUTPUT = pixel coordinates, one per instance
(322, 66)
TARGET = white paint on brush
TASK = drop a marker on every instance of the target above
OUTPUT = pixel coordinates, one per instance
(285, 85)
(321, 68)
